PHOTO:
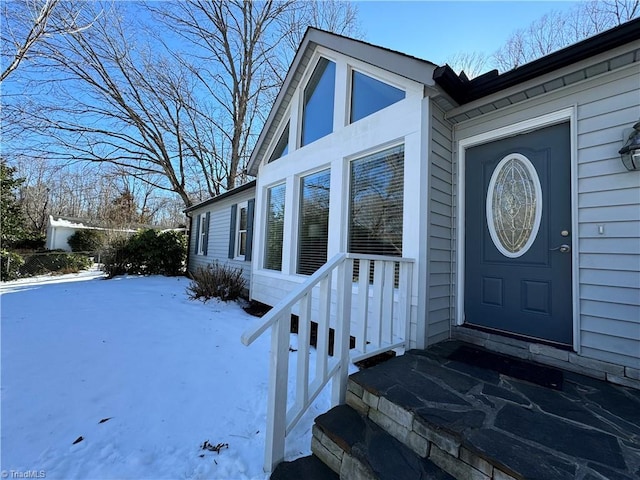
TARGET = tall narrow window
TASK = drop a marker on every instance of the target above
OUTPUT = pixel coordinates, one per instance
(376, 203)
(275, 228)
(317, 116)
(282, 147)
(241, 245)
(369, 95)
(203, 234)
(313, 229)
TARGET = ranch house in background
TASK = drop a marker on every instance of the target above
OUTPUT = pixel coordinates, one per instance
(222, 230)
(401, 204)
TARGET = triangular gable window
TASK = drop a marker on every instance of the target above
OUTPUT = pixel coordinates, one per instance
(282, 147)
(317, 116)
(369, 95)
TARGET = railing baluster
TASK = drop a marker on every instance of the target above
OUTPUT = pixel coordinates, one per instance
(376, 312)
(387, 302)
(324, 316)
(341, 337)
(362, 315)
(280, 421)
(302, 374)
(404, 299)
(277, 396)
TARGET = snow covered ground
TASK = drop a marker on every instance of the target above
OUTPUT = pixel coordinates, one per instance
(138, 371)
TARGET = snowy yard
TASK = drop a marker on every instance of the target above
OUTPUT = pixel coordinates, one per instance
(141, 373)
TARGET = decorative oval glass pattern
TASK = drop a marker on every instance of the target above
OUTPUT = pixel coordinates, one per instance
(514, 205)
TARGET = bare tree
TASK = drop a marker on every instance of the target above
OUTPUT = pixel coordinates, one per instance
(471, 63)
(556, 30)
(178, 111)
(114, 100)
(236, 42)
(28, 22)
(336, 16)
(242, 53)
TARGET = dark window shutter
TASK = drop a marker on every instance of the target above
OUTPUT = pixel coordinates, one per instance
(232, 231)
(205, 247)
(250, 208)
(197, 234)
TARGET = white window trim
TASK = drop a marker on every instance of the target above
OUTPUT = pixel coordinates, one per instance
(298, 216)
(240, 206)
(382, 79)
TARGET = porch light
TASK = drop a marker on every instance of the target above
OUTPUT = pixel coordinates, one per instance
(630, 153)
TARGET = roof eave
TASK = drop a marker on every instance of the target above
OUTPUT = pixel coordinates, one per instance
(465, 92)
(222, 196)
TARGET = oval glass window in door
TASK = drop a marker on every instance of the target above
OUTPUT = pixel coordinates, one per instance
(514, 205)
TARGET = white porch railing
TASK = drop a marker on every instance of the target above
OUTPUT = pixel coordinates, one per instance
(377, 315)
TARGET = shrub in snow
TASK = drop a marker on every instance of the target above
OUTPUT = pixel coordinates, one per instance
(10, 264)
(216, 281)
(54, 262)
(115, 261)
(86, 241)
(148, 252)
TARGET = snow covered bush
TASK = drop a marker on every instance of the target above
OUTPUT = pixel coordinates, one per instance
(217, 281)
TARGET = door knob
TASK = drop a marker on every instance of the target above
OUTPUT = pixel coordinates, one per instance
(564, 248)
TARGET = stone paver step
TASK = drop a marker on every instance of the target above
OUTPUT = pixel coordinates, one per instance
(358, 449)
(304, 468)
(480, 415)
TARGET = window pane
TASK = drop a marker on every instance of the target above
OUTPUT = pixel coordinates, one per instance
(275, 228)
(282, 147)
(317, 117)
(376, 203)
(243, 219)
(369, 95)
(314, 222)
(243, 243)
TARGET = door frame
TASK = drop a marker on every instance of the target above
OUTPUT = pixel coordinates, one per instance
(559, 116)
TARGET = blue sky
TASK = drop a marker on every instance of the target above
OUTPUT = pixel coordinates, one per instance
(435, 30)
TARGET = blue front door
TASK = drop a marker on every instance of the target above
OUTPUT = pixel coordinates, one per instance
(518, 235)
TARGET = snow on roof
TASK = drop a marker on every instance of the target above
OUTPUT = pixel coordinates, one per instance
(69, 222)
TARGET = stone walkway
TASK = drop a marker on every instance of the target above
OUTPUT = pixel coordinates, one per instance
(532, 421)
